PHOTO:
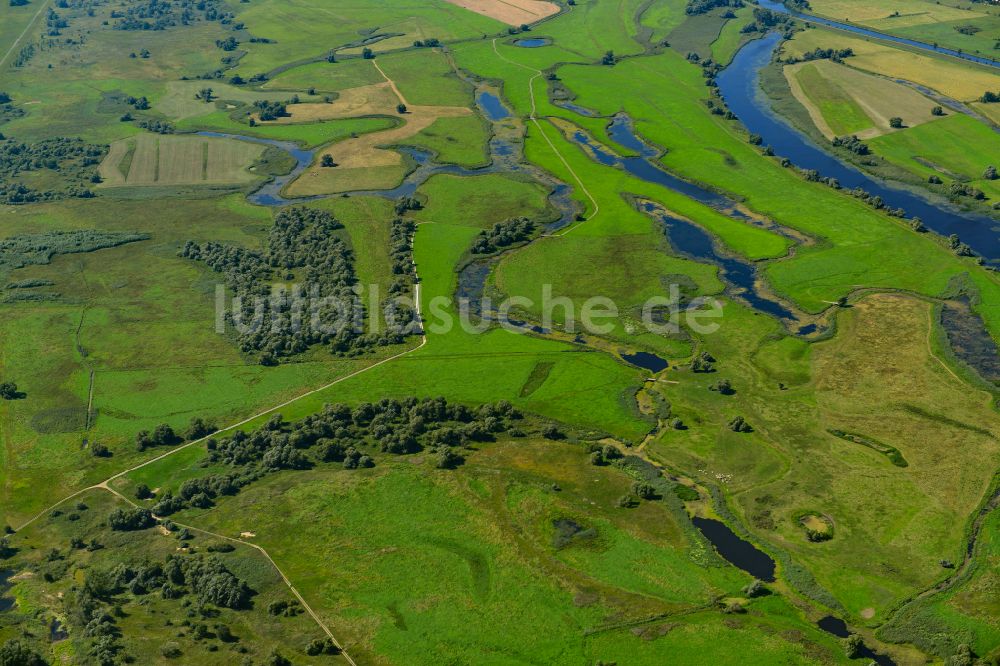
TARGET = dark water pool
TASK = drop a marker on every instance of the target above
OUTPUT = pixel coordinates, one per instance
(492, 106)
(646, 361)
(834, 625)
(735, 550)
(6, 603)
(739, 85)
(837, 627)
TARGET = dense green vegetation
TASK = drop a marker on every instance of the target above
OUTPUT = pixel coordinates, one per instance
(271, 483)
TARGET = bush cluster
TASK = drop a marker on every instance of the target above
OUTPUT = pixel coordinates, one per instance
(503, 235)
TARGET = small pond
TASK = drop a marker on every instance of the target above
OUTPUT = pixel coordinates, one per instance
(736, 551)
(492, 106)
(646, 361)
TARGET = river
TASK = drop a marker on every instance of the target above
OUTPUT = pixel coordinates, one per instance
(739, 85)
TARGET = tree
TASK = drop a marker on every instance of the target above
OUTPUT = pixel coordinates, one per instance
(448, 459)
(754, 589)
(126, 520)
(552, 431)
(170, 650)
(989, 97)
(644, 490)
(331, 57)
(937, 111)
(199, 428)
(609, 58)
(205, 95)
(724, 386)
(8, 391)
(319, 646)
(739, 424)
(367, 53)
(327, 161)
(896, 122)
(852, 646)
(4, 98)
(142, 491)
(14, 652)
(18, 3)
(990, 173)
(400, 108)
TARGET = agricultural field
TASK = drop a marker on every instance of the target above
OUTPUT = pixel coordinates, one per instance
(951, 78)
(148, 159)
(962, 26)
(480, 331)
(845, 101)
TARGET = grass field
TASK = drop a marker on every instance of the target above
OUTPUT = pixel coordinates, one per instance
(956, 147)
(411, 564)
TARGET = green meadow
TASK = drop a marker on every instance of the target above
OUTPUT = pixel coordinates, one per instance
(539, 543)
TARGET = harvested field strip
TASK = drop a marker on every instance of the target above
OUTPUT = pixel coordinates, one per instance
(178, 160)
(511, 12)
(832, 110)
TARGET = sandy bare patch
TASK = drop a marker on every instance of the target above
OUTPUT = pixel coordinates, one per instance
(867, 613)
(353, 102)
(511, 12)
(359, 158)
(247, 535)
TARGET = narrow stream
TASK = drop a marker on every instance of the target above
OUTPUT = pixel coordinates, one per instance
(688, 239)
(739, 85)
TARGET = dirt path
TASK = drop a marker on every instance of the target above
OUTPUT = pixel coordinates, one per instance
(533, 118)
(392, 84)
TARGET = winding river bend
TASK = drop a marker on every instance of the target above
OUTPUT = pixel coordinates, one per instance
(776, 6)
(739, 85)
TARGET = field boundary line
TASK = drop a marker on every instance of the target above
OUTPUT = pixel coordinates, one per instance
(534, 119)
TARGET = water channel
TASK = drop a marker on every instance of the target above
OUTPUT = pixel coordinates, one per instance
(739, 85)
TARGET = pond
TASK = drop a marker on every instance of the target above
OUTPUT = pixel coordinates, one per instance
(6, 603)
(739, 84)
(646, 361)
(837, 627)
(532, 42)
(736, 551)
(492, 106)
